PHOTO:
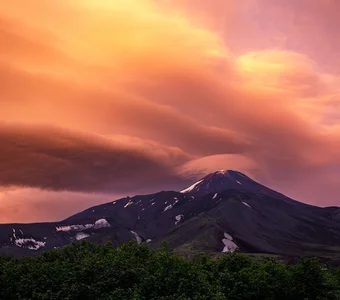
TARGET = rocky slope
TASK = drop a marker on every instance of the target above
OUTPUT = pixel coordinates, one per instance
(224, 211)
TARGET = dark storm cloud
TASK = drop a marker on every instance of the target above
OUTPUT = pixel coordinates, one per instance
(58, 159)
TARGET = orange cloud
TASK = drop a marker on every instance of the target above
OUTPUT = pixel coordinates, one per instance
(152, 88)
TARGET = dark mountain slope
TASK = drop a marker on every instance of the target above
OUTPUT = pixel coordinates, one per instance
(224, 211)
(231, 180)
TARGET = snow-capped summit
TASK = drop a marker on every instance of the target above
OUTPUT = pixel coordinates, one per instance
(228, 180)
(219, 181)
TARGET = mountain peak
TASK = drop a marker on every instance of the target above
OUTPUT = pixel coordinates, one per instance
(223, 180)
(219, 181)
(227, 173)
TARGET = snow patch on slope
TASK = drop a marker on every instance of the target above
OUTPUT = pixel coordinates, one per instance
(246, 204)
(190, 188)
(74, 227)
(178, 219)
(101, 223)
(167, 207)
(229, 245)
(29, 243)
(81, 235)
(170, 205)
(128, 204)
(137, 236)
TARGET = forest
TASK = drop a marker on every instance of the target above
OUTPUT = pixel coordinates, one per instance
(87, 271)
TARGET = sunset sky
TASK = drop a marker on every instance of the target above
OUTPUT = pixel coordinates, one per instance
(106, 98)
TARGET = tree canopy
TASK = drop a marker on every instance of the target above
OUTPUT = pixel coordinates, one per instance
(135, 272)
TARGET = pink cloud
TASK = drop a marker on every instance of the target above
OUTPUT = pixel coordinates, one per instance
(172, 91)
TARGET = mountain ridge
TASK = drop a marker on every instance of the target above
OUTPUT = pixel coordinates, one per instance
(224, 211)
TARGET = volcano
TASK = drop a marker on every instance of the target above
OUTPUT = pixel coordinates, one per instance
(225, 211)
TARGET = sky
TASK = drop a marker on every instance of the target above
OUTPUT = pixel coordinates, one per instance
(101, 99)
